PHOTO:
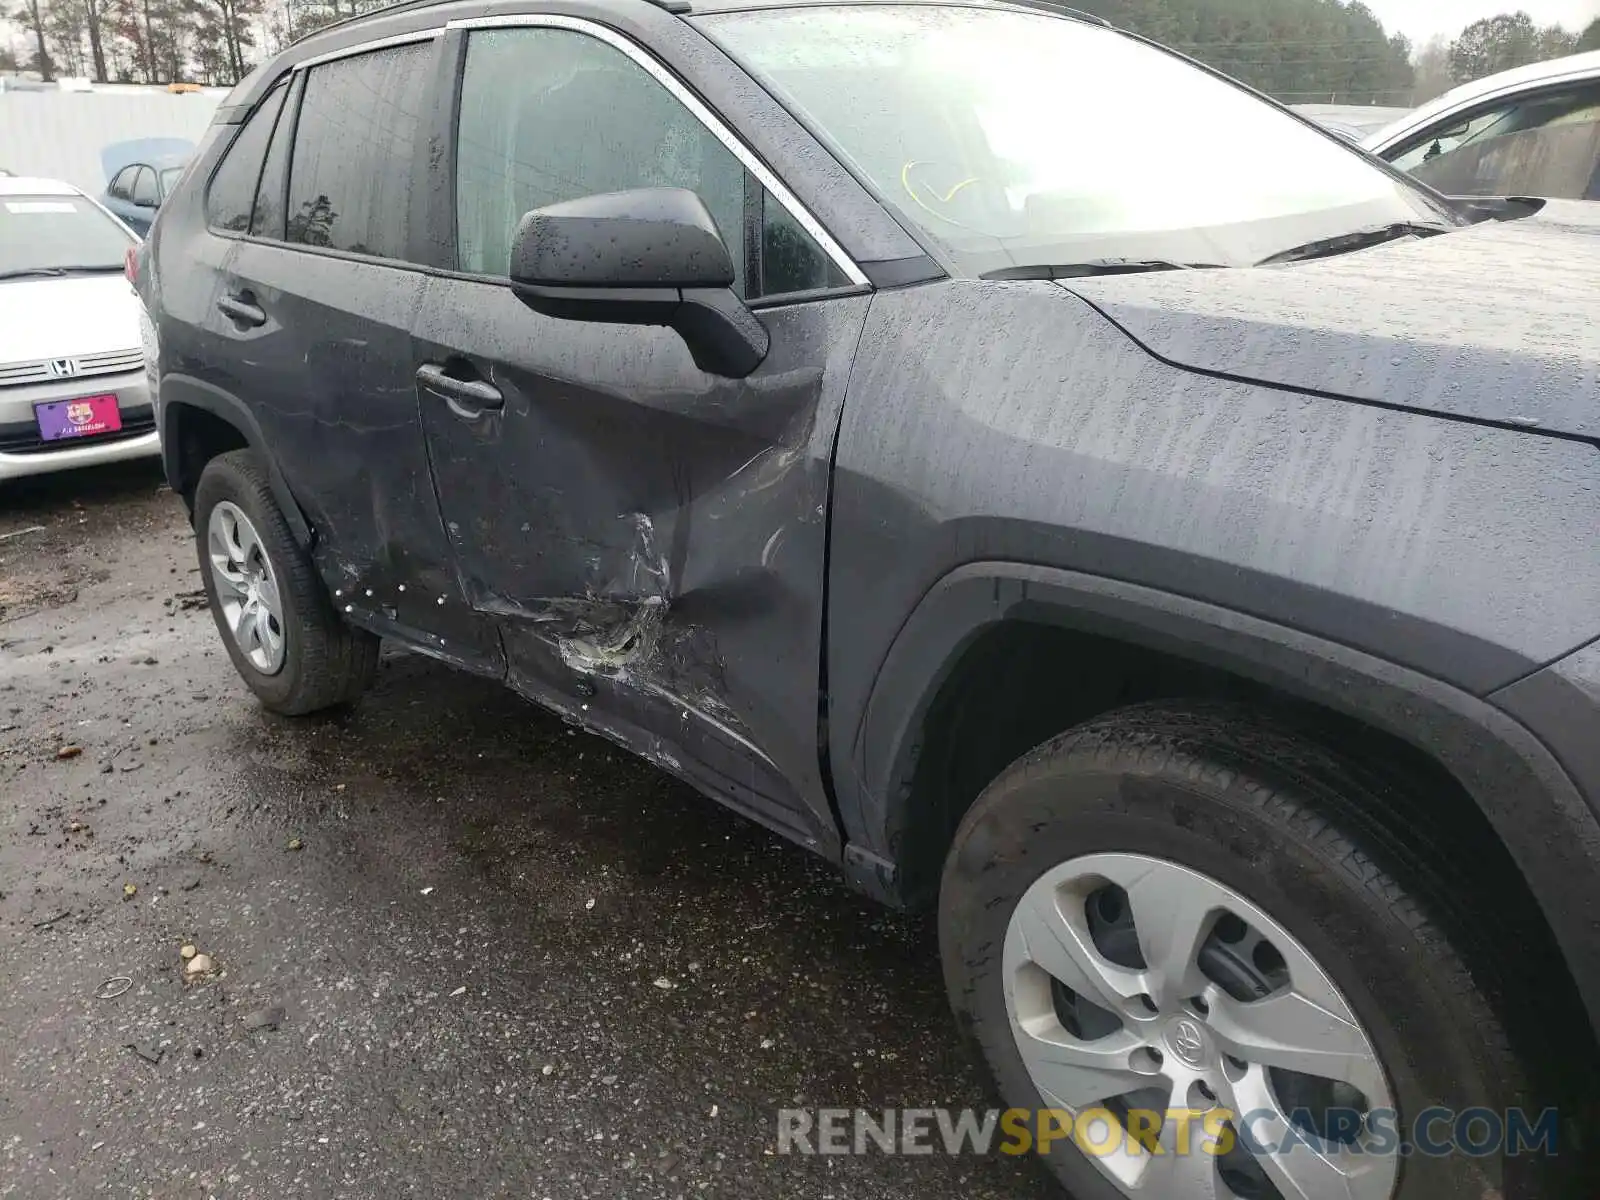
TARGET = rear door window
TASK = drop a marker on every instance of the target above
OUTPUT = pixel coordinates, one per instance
(351, 177)
(233, 186)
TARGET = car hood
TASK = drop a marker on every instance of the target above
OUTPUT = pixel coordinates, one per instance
(1497, 322)
(62, 318)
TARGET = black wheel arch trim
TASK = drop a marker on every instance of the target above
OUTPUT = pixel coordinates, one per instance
(1533, 804)
(179, 391)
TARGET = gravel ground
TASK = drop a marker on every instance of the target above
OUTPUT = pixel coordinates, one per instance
(510, 959)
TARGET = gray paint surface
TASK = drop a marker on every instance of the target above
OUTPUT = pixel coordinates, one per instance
(1065, 444)
(1494, 322)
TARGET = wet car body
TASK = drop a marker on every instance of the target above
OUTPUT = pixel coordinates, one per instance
(1364, 482)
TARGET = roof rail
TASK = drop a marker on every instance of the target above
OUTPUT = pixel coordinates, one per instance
(1064, 10)
(672, 6)
(379, 10)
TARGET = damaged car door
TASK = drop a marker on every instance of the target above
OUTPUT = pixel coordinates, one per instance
(648, 531)
(319, 295)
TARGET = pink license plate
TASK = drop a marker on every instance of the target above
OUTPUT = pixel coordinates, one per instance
(83, 417)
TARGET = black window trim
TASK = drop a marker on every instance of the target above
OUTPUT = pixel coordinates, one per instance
(857, 280)
(127, 189)
(216, 168)
(290, 111)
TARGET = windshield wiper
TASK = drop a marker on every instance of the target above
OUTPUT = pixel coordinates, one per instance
(1359, 239)
(57, 272)
(1094, 266)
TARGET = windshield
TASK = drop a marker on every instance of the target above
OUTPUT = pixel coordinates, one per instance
(1017, 138)
(40, 233)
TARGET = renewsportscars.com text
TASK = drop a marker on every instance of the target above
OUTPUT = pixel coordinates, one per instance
(1097, 1132)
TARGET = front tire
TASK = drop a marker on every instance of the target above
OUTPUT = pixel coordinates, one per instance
(1194, 907)
(280, 628)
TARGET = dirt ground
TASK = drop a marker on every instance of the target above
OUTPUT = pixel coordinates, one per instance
(458, 948)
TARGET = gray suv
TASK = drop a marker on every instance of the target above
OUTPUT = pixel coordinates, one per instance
(1175, 557)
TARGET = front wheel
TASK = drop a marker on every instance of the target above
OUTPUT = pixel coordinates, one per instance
(1177, 934)
(276, 620)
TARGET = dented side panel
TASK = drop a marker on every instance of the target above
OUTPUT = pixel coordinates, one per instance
(650, 538)
(330, 376)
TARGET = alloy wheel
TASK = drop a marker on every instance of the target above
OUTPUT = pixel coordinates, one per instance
(1137, 986)
(246, 587)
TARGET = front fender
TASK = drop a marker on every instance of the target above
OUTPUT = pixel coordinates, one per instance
(1549, 828)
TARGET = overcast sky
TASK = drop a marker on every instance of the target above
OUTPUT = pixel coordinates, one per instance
(1421, 19)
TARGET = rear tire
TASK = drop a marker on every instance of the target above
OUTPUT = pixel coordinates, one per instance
(309, 658)
(1222, 795)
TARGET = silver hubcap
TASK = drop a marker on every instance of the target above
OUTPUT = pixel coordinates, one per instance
(247, 587)
(1136, 986)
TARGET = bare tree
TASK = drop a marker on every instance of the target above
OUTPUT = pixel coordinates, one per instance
(64, 27)
(32, 14)
(94, 16)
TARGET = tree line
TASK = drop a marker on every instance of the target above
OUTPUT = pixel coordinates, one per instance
(1325, 51)
(1300, 51)
(212, 42)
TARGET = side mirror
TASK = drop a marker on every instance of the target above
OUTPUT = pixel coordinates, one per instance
(647, 257)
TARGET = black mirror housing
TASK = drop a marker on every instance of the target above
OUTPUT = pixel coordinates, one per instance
(652, 256)
(649, 238)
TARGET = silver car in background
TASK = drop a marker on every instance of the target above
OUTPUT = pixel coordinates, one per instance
(1530, 131)
(72, 383)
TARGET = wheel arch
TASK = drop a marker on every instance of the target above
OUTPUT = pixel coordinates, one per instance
(898, 832)
(198, 421)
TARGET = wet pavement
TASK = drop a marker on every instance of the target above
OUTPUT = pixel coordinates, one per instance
(511, 960)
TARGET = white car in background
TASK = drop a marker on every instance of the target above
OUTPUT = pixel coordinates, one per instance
(1531, 131)
(72, 383)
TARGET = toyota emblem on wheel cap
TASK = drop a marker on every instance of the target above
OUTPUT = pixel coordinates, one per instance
(1188, 1042)
(62, 368)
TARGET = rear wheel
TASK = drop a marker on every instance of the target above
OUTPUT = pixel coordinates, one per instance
(1192, 909)
(276, 621)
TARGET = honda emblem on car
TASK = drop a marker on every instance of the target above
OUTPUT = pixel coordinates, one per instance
(62, 368)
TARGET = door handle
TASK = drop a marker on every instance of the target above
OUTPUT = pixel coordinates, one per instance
(469, 399)
(241, 310)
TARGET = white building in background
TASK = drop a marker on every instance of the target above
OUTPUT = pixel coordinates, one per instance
(59, 134)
